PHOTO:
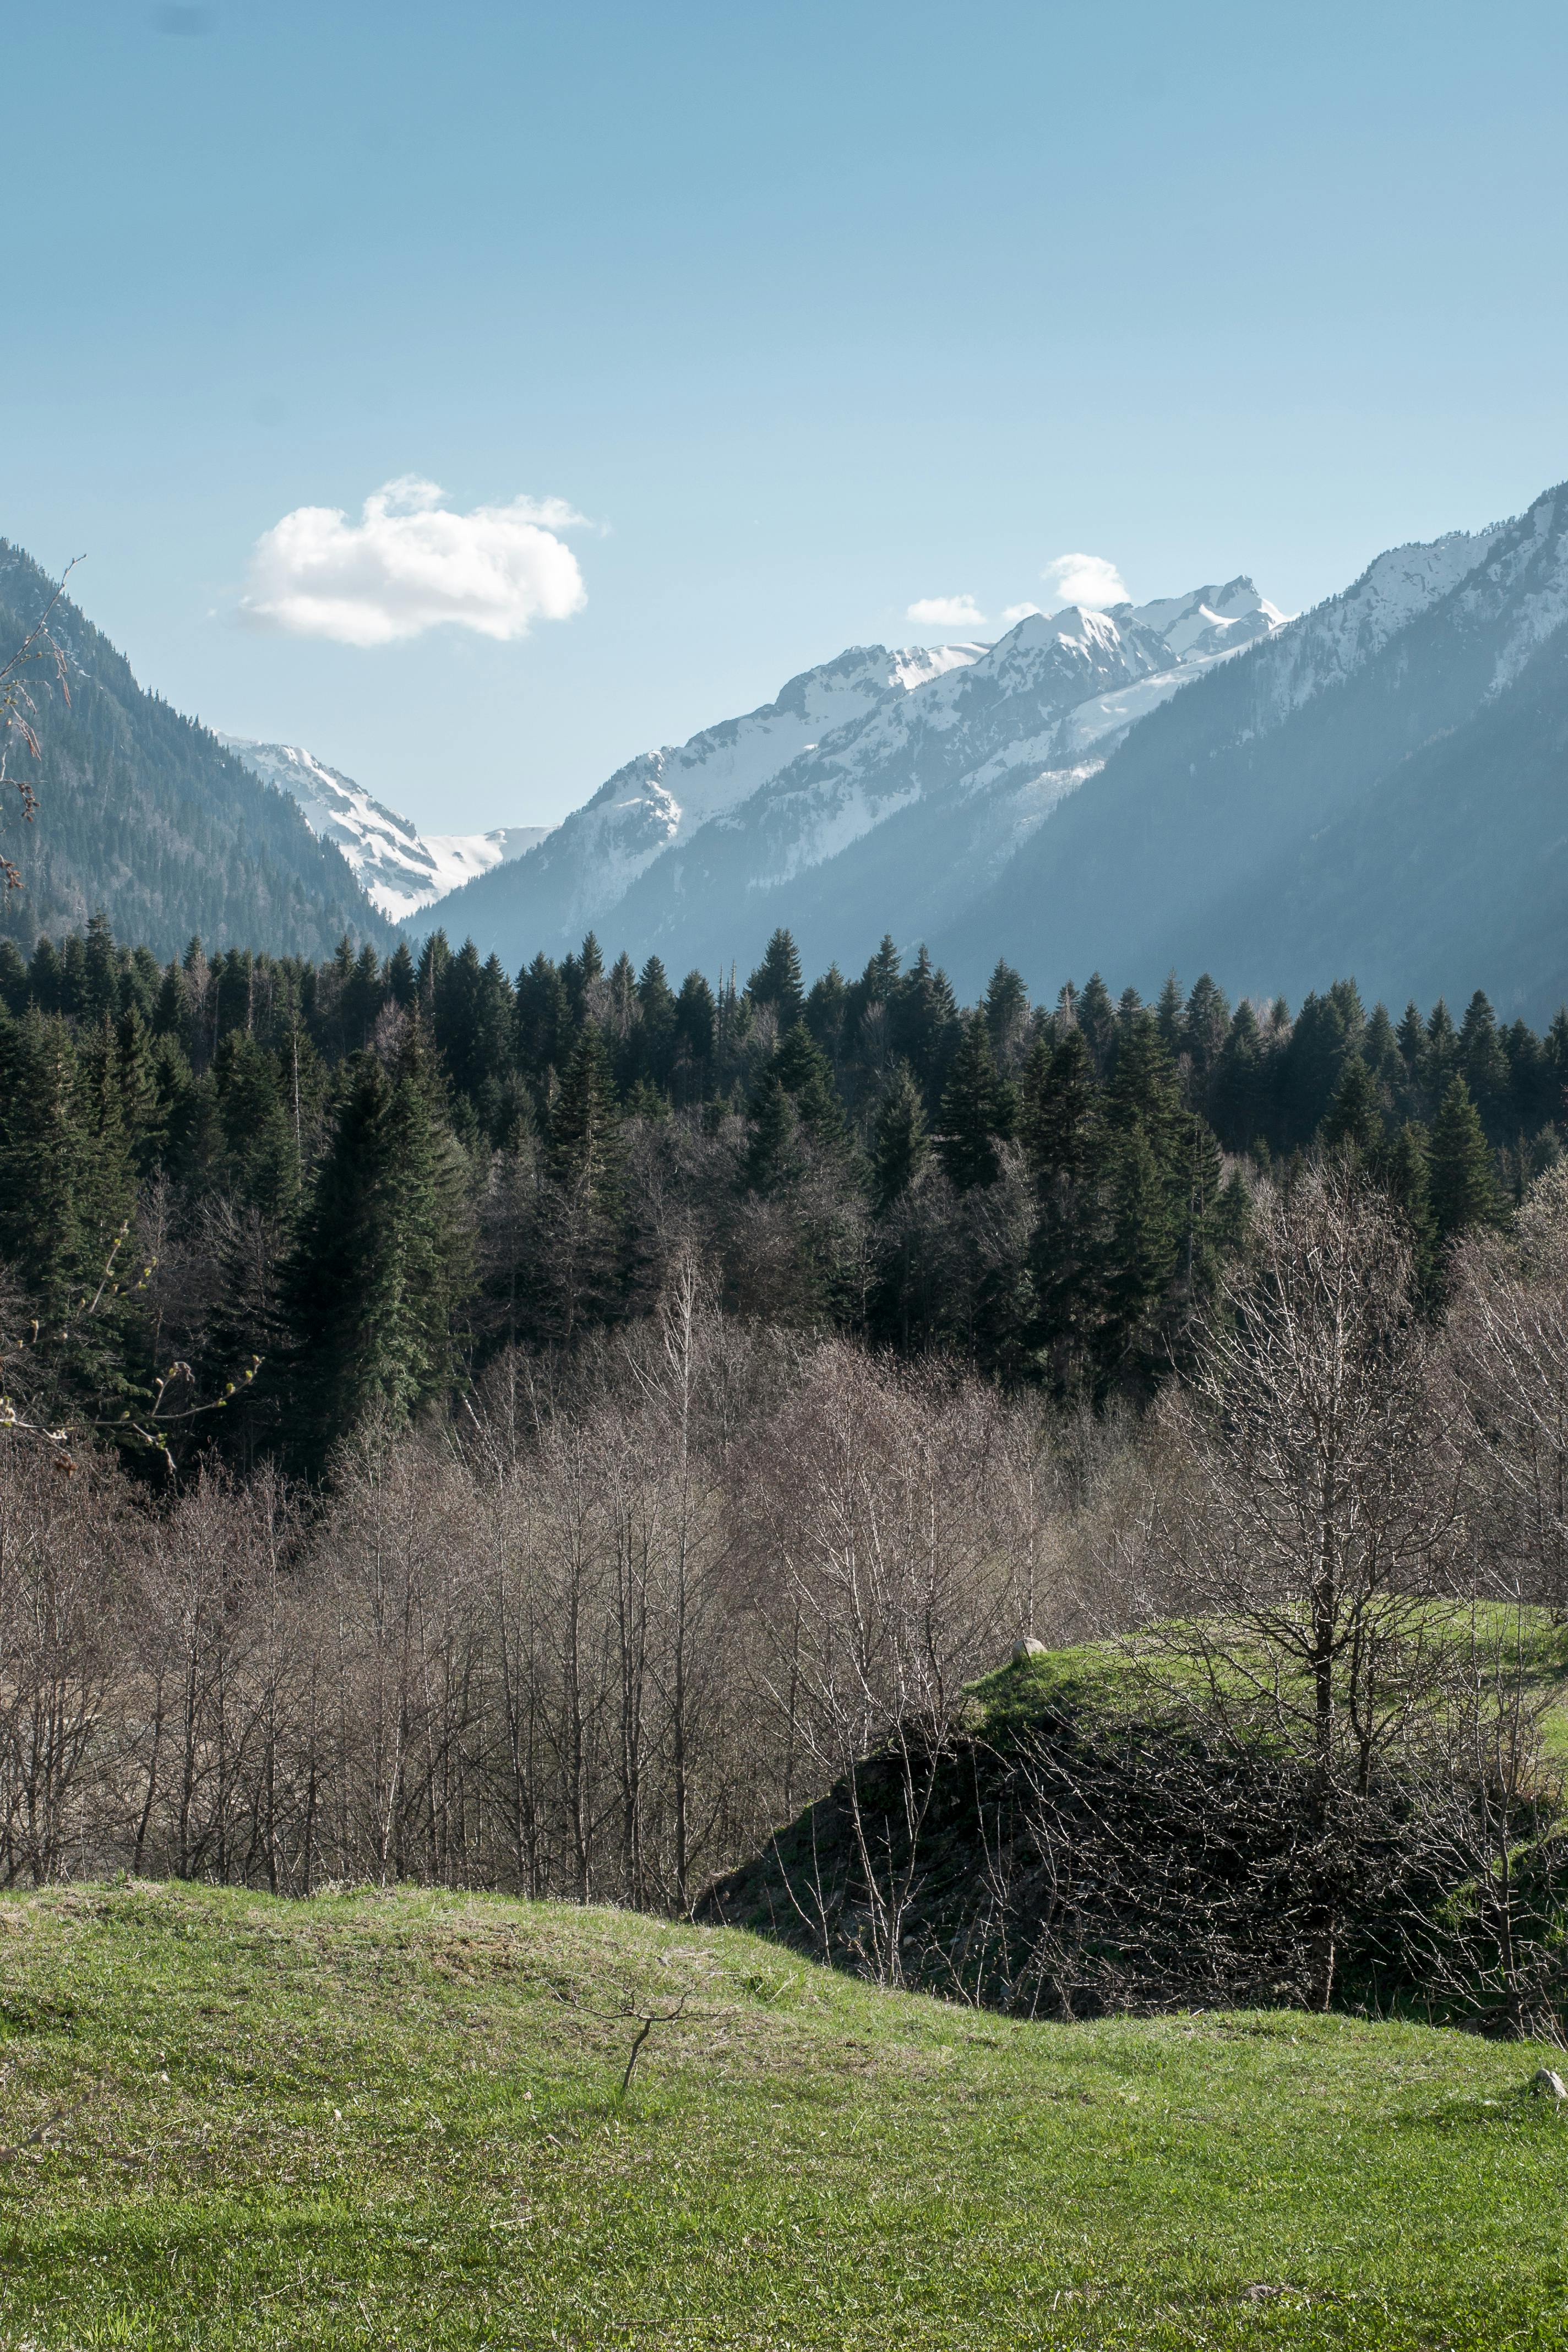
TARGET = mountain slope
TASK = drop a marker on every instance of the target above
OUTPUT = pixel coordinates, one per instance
(945, 760)
(902, 819)
(142, 813)
(1378, 790)
(578, 879)
(398, 867)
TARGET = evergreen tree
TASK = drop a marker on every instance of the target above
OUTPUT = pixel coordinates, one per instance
(1404, 1171)
(1353, 1120)
(1463, 1189)
(402, 981)
(1095, 1017)
(977, 1110)
(777, 982)
(384, 1259)
(1060, 1110)
(696, 1033)
(656, 1033)
(1168, 1013)
(827, 1013)
(900, 1142)
(775, 1155)
(1007, 1015)
(584, 1125)
(924, 1024)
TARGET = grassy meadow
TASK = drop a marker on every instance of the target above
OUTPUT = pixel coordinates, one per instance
(396, 2120)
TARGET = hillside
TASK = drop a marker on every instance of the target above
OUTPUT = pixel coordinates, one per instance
(1391, 793)
(1197, 784)
(1084, 1848)
(399, 868)
(143, 816)
(386, 2118)
(882, 788)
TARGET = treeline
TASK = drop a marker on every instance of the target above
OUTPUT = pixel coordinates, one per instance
(311, 1194)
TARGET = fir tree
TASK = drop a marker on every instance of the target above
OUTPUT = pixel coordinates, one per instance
(1060, 1113)
(1404, 1171)
(977, 1110)
(1353, 1120)
(900, 1142)
(655, 1030)
(383, 1262)
(1463, 1189)
(1006, 1015)
(777, 982)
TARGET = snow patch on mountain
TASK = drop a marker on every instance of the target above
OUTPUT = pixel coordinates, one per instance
(399, 868)
(660, 800)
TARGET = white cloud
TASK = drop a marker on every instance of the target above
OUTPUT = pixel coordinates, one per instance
(1015, 613)
(1091, 579)
(410, 565)
(946, 612)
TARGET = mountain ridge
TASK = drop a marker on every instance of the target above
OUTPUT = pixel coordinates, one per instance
(399, 868)
(144, 816)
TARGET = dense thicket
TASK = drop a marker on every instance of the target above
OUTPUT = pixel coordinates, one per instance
(341, 1188)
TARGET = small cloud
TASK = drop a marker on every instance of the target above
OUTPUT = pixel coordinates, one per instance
(946, 612)
(410, 565)
(183, 21)
(1091, 579)
(1015, 613)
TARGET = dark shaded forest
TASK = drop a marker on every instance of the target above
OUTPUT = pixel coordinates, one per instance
(247, 1203)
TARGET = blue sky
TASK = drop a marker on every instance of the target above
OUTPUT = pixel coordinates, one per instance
(814, 311)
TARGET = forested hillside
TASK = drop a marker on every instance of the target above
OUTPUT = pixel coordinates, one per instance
(142, 815)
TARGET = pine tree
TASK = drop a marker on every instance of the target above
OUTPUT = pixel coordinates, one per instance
(827, 1013)
(775, 1156)
(1060, 1108)
(695, 1031)
(1404, 1172)
(977, 1110)
(1353, 1120)
(384, 1260)
(584, 1155)
(1463, 1189)
(777, 982)
(655, 1032)
(1006, 1015)
(924, 1025)
(1095, 1017)
(900, 1142)
(804, 1071)
(402, 981)
(1168, 1015)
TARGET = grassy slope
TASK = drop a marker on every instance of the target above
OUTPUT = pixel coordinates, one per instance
(364, 2120)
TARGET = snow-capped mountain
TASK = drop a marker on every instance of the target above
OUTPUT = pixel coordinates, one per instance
(997, 732)
(1377, 786)
(1382, 789)
(577, 879)
(399, 868)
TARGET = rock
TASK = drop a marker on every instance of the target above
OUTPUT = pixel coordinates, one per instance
(1028, 1648)
(1546, 2084)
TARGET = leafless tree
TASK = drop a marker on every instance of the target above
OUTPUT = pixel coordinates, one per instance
(1309, 1518)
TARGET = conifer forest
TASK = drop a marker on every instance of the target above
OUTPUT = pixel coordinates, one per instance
(545, 1435)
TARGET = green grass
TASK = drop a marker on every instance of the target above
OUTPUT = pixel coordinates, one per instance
(1008, 1702)
(382, 2121)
